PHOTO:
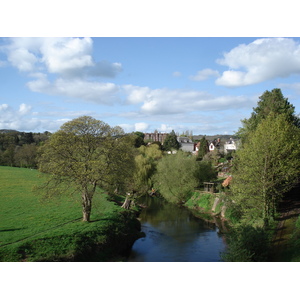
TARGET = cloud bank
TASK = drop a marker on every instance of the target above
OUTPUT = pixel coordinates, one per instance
(261, 60)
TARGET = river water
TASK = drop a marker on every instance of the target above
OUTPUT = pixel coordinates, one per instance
(174, 234)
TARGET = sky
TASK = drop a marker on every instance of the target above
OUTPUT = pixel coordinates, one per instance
(201, 84)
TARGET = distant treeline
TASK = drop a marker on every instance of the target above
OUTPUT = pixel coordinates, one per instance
(19, 149)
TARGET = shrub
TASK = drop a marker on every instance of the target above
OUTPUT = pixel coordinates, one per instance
(247, 244)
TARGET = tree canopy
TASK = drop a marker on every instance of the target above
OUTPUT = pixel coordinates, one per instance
(270, 102)
(203, 148)
(84, 154)
(171, 142)
(146, 162)
(267, 166)
(179, 174)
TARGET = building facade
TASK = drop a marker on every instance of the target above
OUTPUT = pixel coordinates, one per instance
(155, 137)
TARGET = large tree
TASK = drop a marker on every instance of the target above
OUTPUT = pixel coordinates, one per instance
(171, 143)
(203, 148)
(84, 154)
(146, 162)
(177, 175)
(270, 102)
(267, 166)
(25, 156)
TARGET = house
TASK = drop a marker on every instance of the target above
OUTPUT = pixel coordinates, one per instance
(155, 137)
(230, 146)
(215, 144)
(187, 144)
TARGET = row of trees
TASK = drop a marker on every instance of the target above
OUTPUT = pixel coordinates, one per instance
(87, 153)
(19, 149)
(268, 163)
(266, 167)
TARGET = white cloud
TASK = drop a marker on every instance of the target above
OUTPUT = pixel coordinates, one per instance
(16, 119)
(165, 128)
(64, 55)
(205, 74)
(71, 63)
(136, 94)
(177, 101)
(141, 126)
(24, 119)
(24, 109)
(22, 59)
(97, 92)
(67, 57)
(259, 61)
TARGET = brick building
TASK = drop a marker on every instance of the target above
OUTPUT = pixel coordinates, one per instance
(155, 137)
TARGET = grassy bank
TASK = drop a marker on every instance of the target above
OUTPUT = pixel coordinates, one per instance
(33, 230)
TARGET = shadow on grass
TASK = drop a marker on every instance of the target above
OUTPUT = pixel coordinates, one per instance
(103, 219)
(13, 229)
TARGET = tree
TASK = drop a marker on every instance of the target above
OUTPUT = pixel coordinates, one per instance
(26, 138)
(84, 154)
(204, 172)
(25, 156)
(266, 167)
(175, 177)
(171, 142)
(146, 162)
(203, 148)
(139, 139)
(270, 102)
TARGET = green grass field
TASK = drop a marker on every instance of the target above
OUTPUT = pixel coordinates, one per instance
(34, 230)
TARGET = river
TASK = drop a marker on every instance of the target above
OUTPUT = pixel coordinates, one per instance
(174, 234)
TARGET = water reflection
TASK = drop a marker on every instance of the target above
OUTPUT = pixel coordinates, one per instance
(173, 234)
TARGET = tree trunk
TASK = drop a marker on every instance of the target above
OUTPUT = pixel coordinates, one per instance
(127, 202)
(86, 207)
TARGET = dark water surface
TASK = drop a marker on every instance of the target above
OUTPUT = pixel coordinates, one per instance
(173, 234)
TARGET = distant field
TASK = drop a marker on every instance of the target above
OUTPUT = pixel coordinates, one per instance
(24, 218)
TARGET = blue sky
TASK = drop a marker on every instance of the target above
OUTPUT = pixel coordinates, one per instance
(202, 84)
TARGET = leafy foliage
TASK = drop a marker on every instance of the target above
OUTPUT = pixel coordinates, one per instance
(175, 177)
(86, 153)
(203, 148)
(19, 149)
(178, 174)
(146, 162)
(266, 167)
(270, 102)
(204, 172)
(139, 139)
(247, 244)
(171, 142)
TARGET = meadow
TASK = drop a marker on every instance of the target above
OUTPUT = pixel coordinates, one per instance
(35, 230)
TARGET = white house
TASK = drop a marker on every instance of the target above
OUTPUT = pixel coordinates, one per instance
(230, 146)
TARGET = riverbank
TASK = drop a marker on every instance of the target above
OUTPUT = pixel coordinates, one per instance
(283, 235)
(32, 230)
(210, 207)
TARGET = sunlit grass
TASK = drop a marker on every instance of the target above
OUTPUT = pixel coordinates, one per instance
(24, 217)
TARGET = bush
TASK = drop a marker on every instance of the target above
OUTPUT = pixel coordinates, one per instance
(247, 244)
